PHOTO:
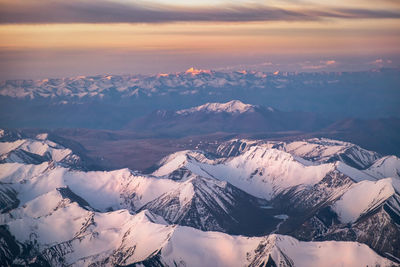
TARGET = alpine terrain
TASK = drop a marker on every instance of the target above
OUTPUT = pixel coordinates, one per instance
(311, 202)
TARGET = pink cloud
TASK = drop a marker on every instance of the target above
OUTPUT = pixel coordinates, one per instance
(323, 64)
(330, 62)
(378, 61)
(381, 62)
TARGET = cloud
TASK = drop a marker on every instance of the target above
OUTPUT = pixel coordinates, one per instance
(381, 62)
(247, 66)
(105, 11)
(322, 64)
(329, 62)
(313, 67)
(378, 61)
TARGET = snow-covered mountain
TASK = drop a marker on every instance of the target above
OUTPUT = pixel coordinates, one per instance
(320, 150)
(56, 214)
(232, 117)
(327, 150)
(324, 194)
(60, 228)
(144, 239)
(36, 151)
(234, 106)
(192, 81)
(260, 171)
(213, 205)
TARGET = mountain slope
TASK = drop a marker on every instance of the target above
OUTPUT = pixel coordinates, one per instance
(274, 250)
(211, 205)
(259, 171)
(354, 202)
(385, 167)
(319, 150)
(36, 151)
(327, 150)
(119, 189)
(118, 238)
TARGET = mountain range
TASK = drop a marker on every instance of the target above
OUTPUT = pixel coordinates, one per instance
(246, 203)
(112, 101)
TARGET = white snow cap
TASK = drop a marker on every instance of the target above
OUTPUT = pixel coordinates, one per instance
(234, 106)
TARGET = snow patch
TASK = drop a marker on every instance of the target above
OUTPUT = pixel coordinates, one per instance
(42, 136)
(171, 163)
(282, 216)
(186, 194)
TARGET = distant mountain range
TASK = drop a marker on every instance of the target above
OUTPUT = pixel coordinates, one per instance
(195, 203)
(111, 102)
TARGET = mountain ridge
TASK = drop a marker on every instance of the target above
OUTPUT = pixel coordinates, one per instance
(309, 196)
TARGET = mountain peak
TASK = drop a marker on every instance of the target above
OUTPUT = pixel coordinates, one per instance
(234, 106)
(193, 71)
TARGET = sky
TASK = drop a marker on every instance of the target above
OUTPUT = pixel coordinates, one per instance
(55, 38)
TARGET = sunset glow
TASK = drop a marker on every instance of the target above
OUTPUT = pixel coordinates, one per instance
(212, 35)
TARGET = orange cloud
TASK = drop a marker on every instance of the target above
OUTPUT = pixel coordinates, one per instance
(329, 62)
(194, 72)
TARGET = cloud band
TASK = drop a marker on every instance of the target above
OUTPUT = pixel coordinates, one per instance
(103, 11)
